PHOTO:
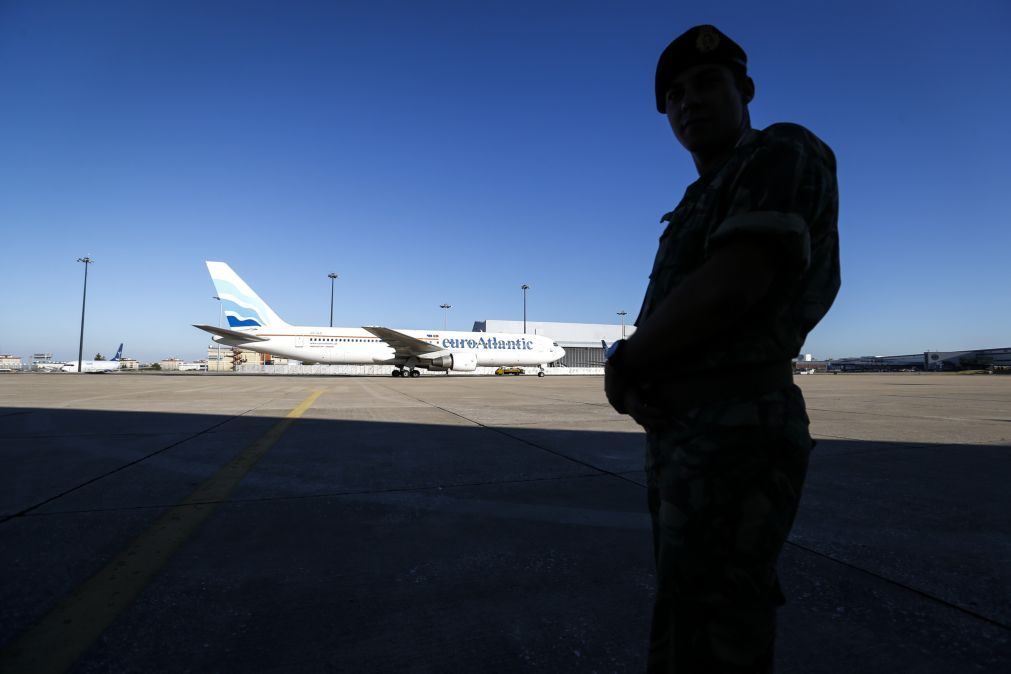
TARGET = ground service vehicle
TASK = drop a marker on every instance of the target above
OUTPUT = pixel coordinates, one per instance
(509, 370)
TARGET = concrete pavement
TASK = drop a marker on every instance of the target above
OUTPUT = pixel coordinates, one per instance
(179, 523)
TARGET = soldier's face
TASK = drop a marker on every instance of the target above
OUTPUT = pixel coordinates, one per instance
(706, 107)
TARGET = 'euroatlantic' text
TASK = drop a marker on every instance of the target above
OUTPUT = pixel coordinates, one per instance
(490, 343)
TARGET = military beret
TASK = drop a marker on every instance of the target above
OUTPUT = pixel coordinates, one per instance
(698, 45)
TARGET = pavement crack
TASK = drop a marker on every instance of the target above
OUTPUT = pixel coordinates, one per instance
(901, 416)
(900, 584)
(29, 509)
(945, 398)
(319, 495)
(19, 413)
(868, 572)
(47, 436)
(531, 443)
(885, 445)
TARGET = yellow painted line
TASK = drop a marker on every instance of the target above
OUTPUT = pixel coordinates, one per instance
(66, 632)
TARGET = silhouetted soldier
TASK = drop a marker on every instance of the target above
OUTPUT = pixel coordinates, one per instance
(747, 266)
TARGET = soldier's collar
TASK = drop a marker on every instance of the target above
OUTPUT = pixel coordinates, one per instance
(746, 138)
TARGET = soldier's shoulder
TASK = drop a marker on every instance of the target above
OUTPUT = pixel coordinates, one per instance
(788, 132)
(786, 135)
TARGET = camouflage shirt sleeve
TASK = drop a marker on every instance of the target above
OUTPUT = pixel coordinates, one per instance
(778, 192)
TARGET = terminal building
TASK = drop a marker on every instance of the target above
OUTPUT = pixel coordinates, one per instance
(9, 363)
(928, 361)
(129, 364)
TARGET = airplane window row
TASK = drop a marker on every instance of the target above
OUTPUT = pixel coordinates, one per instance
(340, 339)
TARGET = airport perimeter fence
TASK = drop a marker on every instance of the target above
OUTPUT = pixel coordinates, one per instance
(386, 370)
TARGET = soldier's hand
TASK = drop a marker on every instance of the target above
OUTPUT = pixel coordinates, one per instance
(627, 398)
(615, 388)
(644, 414)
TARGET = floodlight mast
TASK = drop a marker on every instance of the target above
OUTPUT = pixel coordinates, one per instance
(525, 288)
(331, 276)
(80, 346)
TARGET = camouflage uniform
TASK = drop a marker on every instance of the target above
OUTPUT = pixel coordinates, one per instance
(725, 476)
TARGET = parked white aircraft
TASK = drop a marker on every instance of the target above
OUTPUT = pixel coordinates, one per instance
(253, 325)
(95, 365)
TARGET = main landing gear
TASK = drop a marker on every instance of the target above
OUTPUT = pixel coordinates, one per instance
(401, 372)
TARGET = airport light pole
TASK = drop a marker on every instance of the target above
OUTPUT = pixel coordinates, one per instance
(221, 310)
(445, 314)
(331, 276)
(623, 313)
(80, 346)
(525, 288)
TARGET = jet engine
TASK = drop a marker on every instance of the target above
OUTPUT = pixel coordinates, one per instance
(463, 362)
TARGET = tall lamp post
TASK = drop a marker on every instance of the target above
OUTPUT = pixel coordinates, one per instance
(525, 288)
(445, 314)
(623, 313)
(331, 276)
(80, 347)
(221, 311)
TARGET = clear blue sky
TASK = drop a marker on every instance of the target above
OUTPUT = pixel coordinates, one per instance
(450, 151)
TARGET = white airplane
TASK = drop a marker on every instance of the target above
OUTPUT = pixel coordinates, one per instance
(253, 325)
(95, 365)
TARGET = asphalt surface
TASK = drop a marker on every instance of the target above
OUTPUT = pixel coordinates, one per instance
(209, 523)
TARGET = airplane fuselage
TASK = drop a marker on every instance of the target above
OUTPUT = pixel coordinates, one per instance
(253, 325)
(94, 365)
(91, 366)
(357, 346)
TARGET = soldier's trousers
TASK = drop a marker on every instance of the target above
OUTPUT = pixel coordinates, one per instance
(723, 488)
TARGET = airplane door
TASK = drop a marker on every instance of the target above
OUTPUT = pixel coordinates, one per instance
(299, 341)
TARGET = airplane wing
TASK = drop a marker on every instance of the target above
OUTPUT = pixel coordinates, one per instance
(403, 345)
(230, 334)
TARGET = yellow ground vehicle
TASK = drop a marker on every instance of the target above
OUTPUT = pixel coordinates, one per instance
(509, 370)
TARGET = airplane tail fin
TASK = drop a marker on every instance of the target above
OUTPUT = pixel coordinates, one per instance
(119, 352)
(243, 308)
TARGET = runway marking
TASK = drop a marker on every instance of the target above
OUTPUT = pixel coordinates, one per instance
(56, 642)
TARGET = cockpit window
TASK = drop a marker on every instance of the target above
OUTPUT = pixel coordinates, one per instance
(554, 343)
